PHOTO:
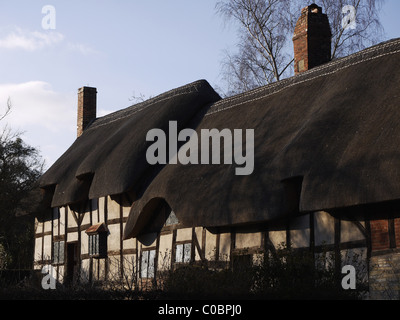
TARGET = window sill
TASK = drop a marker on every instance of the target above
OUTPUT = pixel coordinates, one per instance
(98, 256)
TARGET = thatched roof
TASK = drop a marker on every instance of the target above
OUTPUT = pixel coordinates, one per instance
(325, 139)
(110, 156)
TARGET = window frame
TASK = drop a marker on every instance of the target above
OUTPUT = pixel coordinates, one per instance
(148, 260)
(97, 241)
(186, 252)
(58, 252)
(172, 219)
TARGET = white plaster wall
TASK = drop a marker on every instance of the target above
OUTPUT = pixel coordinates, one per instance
(38, 226)
(210, 245)
(85, 270)
(300, 232)
(113, 239)
(47, 247)
(248, 240)
(324, 226)
(84, 243)
(62, 220)
(224, 246)
(199, 236)
(278, 238)
(60, 273)
(113, 209)
(129, 243)
(130, 267)
(101, 211)
(38, 251)
(350, 232)
(47, 226)
(184, 234)
(56, 221)
(164, 253)
(86, 218)
(72, 236)
(71, 219)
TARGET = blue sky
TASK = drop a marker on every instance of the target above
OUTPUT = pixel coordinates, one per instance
(123, 48)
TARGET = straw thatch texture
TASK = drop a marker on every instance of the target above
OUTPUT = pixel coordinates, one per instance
(331, 134)
(110, 157)
(325, 139)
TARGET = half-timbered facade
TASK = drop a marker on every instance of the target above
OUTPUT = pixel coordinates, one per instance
(63, 239)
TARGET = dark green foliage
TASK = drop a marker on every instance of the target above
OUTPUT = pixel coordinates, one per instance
(20, 167)
(287, 275)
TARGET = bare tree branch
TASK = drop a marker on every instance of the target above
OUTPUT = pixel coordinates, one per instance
(265, 27)
(8, 109)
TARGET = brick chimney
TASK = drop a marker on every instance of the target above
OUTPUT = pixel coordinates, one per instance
(86, 107)
(312, 39)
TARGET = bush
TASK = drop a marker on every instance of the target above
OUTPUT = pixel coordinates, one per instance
(202, 282)
(287, 274)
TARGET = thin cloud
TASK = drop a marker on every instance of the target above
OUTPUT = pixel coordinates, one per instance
(35, 103)
(82, 49)
(20, 39)
(46, 118)
(30, 40)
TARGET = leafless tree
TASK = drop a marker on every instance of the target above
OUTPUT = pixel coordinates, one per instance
(367, 29)
(8, 109)
(265, 28)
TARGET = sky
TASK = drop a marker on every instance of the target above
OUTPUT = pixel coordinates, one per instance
(124, 48)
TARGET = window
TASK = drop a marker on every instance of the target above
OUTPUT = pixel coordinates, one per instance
(98, 245)
(94, 244)
(58, 252)
(172, 219)
(183, 253)
(147, 264)
(97, 235)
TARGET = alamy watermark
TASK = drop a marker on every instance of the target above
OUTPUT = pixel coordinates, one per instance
(49, 280)
(349, 280)
(349, 20)
(163, 151)
(49, 20)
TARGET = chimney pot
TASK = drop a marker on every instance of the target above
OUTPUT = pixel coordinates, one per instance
(312, 39)
(87, 100)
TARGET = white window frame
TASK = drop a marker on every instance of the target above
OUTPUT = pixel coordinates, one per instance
(147, 264)
(183, 252)
(58, 252)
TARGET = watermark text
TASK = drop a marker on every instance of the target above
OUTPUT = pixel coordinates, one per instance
(235, 148)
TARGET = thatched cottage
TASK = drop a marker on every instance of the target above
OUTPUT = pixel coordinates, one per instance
(326, 171)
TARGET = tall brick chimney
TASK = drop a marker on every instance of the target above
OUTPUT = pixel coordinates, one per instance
(312, 39)
(87, 97)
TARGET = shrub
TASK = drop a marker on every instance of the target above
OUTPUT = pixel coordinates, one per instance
(288, 274)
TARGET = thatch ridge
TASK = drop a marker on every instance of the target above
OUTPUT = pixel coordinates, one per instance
(109, 157)
(386, 48)
(326, 139)
(138, 107)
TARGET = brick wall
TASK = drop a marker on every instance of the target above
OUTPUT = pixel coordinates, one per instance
(380, 235)
(300, 44)
(385, 234)
(87, 97)
(384, 277)
(311, 39)
(397, 232)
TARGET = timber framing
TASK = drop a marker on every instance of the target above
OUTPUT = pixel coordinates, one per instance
(318, 185)
(199, 247)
